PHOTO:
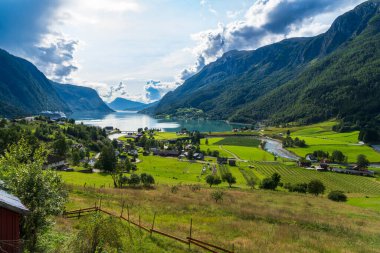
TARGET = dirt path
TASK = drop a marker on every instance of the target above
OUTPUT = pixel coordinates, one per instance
(233, 154)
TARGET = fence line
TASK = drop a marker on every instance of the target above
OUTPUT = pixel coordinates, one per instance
(189, 240)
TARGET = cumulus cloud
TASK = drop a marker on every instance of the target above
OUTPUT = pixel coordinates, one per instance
(25, 31)
(155, 90)
(265, 22)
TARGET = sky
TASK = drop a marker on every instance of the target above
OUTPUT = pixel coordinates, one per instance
(141, 49)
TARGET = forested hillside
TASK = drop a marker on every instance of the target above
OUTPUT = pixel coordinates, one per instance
(24, 89)
(305, 80)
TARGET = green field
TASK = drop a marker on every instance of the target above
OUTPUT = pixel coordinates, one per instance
(245, 148)
(239, 141)
(332, 181)
(321, 137)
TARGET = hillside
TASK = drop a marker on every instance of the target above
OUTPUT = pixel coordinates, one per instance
(297, 79)
(81, 99)
(122, 104)
(24, 90)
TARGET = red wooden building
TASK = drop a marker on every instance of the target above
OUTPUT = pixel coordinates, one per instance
(11, 210)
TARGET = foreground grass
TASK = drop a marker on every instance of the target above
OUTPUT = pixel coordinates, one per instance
(254, 221)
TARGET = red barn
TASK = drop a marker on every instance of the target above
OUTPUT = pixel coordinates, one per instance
(11, 210)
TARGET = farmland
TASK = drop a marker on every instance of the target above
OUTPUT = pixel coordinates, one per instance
(322, 137)
(332, 181)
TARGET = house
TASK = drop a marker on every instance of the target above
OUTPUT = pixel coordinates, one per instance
(222, 160)
(108, 129)
(54, 162)
(11, 212)
(170, 153)
(369, 173)
(198, 156)
(120, 144)
(232, 162)
(304, 163)
(311, 158)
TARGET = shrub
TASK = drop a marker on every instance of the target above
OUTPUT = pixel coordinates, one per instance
(217, 195)
(147, 179)
(134, 180)
(174, 189)
(337, 196)
(316, 187)
(301, 188)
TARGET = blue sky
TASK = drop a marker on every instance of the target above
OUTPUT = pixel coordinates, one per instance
(140, 49)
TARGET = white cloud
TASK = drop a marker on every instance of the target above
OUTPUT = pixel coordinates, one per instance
(265, 22)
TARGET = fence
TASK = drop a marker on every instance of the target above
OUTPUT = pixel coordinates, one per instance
(189, 240)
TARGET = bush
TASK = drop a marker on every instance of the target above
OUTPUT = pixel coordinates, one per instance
(337, 196)
(147, 179)
(316, 187)
(174, 189)
(134, 180)
(217, 195)
(301, 188)
(271, 183)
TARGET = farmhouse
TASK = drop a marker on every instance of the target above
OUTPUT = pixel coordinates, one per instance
(354, 172)
(55, 162)
(11, 211)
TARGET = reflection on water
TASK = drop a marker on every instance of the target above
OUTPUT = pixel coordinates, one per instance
(131, 121)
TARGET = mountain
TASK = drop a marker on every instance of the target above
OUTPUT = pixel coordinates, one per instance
(24, 90)
(334, 74)
(82, 100)
(122, 104)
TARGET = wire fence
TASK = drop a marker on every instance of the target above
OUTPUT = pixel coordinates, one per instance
(188, 240)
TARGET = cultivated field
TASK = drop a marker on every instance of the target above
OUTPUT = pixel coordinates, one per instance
(321, 137)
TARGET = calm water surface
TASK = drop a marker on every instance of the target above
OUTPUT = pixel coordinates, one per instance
(131, 121)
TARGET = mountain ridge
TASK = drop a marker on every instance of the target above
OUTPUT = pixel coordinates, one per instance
(229, 87)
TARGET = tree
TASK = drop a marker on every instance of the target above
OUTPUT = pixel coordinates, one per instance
(316, 187)
(213, 180)
(101, 234)
(337, 196)
(42, 191)
(271, 183)
(107, 159)
(338, 156)
(60, 145)
(134, 180)
(251, 183)
(276, 178)
(227, 177)
(362, 161)
(147, 179)
(217, 195)
(75, 157)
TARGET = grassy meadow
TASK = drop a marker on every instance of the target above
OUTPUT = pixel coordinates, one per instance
(252, 221)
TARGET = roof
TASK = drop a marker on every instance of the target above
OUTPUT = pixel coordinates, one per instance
(12, 203)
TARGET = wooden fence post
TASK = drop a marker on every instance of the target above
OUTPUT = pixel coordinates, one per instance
(154, 218)
(128, 213)
(122, 209)
(191, 230)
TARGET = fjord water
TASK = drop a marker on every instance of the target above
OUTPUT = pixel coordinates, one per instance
(131, 121)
